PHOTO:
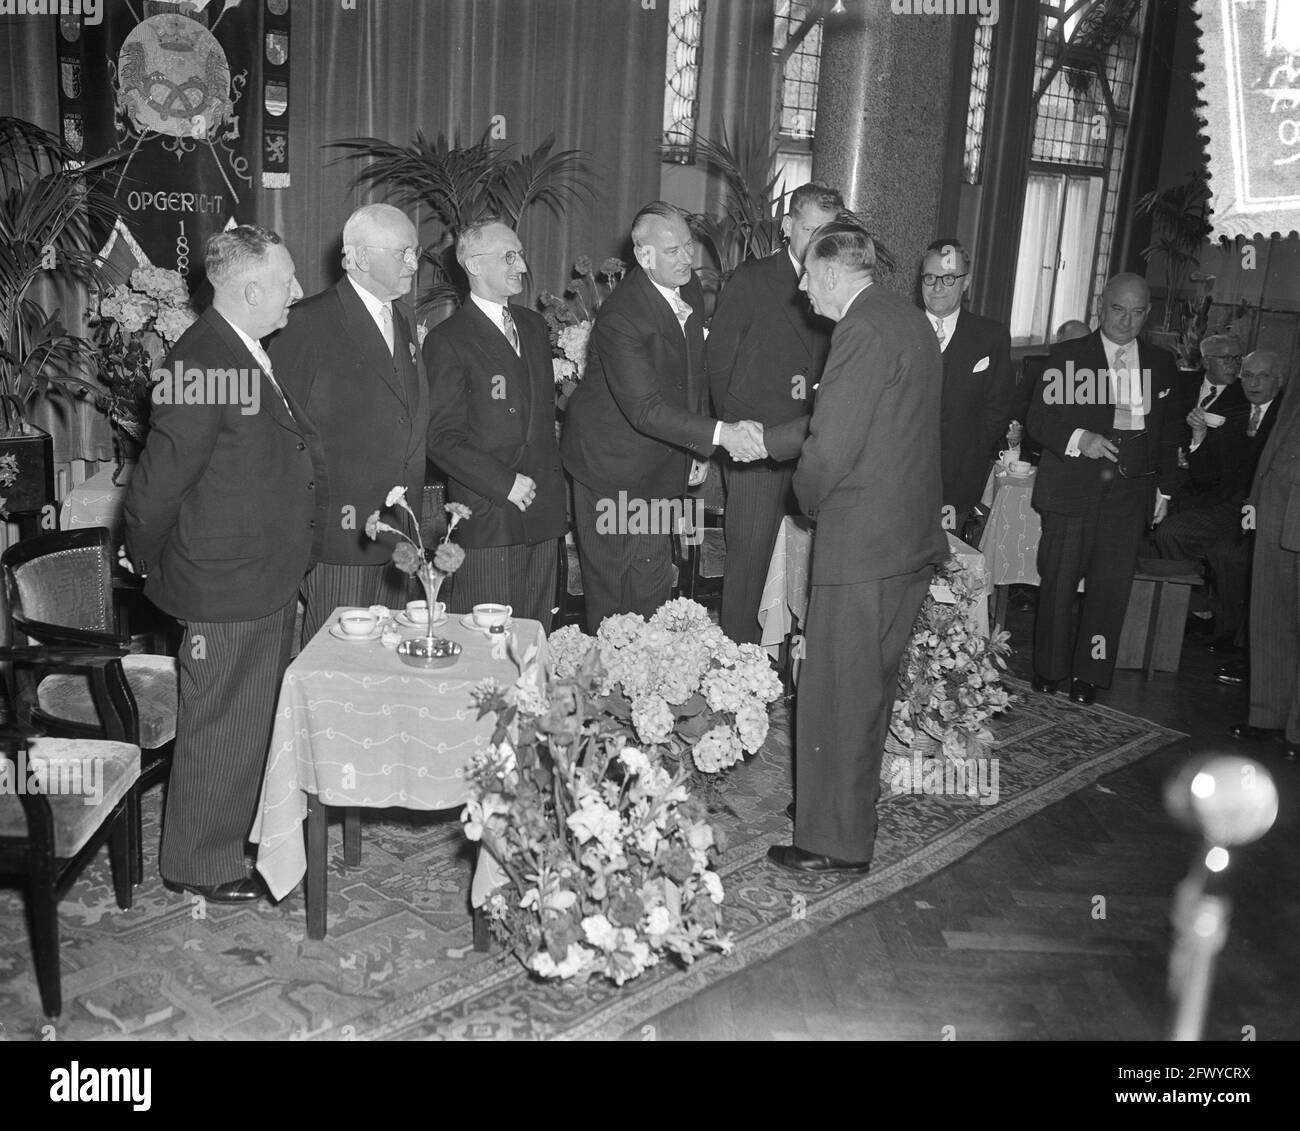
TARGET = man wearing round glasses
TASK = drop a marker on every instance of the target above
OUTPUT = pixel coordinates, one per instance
(492, 430)
(979, 386)
(350, 356)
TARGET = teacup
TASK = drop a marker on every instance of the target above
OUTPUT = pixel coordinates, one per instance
(488, 615)
(1214, 420)
(358, 622)
(417, 612)
(1020, 467)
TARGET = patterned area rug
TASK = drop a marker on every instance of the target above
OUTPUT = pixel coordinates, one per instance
(397, 962)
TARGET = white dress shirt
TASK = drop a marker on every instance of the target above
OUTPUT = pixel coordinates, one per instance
(260, 356)
(376, 307)
(949, 324)
(494, 311)
(673, 297)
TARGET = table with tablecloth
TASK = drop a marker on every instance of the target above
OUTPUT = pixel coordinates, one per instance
(357, 727)
(97, 501)
(1011, 534)
(786, 591)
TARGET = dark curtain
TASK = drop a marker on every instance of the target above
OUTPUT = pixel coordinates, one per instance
(589, 71)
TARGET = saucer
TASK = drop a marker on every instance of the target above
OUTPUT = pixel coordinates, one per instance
(407, 622)
(339, 634)
(468, 621)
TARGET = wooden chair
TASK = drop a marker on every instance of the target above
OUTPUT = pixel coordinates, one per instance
(60, 593)
(50, 831)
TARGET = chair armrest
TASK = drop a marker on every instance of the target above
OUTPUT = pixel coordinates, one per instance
(61, 658)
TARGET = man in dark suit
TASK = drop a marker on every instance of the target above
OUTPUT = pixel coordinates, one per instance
(1221, 465)
(350, 358)
(869, 475)
(224, 516)
(765, 354)
(636, 422)
(492, 430)
(1108, 419)
(1273, 512)
(979, 385)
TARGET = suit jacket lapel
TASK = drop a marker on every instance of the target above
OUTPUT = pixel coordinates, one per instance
(369, 341)
(779, 276)
(496, 351)
(665, 321)
(269, 399)
(406, 343)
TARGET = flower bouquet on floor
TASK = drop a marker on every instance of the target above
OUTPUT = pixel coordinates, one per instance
(410, 556)
(609, 862)
(950, 681)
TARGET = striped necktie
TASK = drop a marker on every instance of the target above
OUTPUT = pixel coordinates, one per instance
(508, 326)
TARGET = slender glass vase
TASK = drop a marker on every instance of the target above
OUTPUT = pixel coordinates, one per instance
(429, 650)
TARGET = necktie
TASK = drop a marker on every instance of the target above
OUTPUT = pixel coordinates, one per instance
(1205, 400)
(508, 325)
(1256, 415)
(386, 325)
(264, 361)
(938, 330)
(1123, 403)
(683, 313)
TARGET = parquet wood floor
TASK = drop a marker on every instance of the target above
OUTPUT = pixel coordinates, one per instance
(1005, 945)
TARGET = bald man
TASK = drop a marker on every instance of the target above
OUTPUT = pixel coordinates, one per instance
(350, 357)
(1108, 420)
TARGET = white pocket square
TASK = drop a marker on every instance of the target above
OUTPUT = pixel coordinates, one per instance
(981, 365)
(1165, 394)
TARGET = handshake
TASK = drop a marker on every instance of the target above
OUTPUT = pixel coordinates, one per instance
(743, 441)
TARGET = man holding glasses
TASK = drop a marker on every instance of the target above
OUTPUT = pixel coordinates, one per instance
(1109, 421)
(979, 385)
(350, 358)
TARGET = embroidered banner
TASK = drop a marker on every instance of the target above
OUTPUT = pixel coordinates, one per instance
(275, 96)
(167, 86)
(1251, 53)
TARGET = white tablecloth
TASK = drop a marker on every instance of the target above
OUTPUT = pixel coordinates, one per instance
(785, 593)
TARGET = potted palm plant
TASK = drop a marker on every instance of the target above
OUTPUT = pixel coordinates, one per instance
(53, 219)
(459, 183)
(1179, 225)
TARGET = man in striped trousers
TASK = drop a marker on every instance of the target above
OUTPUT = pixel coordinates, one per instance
(223, 519)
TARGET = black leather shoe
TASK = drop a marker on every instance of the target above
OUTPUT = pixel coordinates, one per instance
(233, 891)
(1234, 675)
(1248, 733)
(1081, 691)
(789, 810)
(1046, 686)
(794, 859)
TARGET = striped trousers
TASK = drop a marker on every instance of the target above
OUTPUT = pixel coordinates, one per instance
(520, 576)
(330, 584)
(228, 681)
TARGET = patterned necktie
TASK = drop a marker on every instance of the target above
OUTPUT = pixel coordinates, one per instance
(938, 331)
(1256, 415)
(386, 325)
(508, 325)
(1205, 400)
(1123, 405)
(683, 312)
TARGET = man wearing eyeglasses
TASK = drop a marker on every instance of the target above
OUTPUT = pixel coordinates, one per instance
(492, 430)
(979, 385)
(350, 357)
(1108, 417)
